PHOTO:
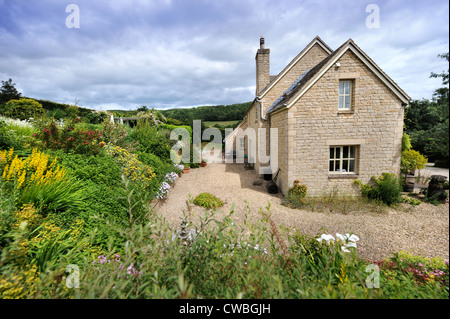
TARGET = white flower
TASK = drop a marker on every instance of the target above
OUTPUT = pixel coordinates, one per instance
(325, 237)
(349, 241)
(347, 237)
(350, 244)
(344, 249)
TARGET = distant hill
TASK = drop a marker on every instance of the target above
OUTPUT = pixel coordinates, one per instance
(209, 113)
(232, 112)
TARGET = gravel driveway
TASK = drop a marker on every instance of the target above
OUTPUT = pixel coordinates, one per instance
(422, 229)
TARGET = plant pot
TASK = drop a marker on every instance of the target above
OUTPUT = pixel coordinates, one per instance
(203, 164)
(436, 187)
(409, 187)
(410, 178)
(186, 170)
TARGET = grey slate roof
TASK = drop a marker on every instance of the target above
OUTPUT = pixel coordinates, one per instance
(301, 81)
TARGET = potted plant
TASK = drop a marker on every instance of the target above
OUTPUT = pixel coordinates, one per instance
(186, 169)
(203, 163)
(410, 162)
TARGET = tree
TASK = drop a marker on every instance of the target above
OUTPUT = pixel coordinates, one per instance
(427, 122)
(143, 108)
(8, 92)
(438, 145)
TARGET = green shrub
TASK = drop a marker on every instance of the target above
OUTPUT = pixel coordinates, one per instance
(411, 201)
(406, 142)
(208, 200)
(387, 188)
(295, 197)
(151, 140)
(113, 133)
(9, 138)
(23, 109)
(412, 160)
(70, 140)
(159, 167)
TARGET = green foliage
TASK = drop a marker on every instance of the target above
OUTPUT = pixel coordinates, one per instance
(414, 276)
(114, 133)
(231, 112)
(427, 122)
(9, 138)
(412, 160)
(70, 140)
(64, 111)
(152, 140)
(295, 197)
(411, 201)
(23, 109)
(386, 188)
(406, 142)
(208, 200)
(65, 195)
(212, 260)
(8, 92)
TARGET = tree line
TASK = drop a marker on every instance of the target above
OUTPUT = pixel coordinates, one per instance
(427, 122)
(230, 112)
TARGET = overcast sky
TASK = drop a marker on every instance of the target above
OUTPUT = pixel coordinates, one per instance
(180, 53)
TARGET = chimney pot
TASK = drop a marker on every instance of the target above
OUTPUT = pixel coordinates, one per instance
(261, 42)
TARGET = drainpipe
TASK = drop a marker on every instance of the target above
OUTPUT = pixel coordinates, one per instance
(261, 109)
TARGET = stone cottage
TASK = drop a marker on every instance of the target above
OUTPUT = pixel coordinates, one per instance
(338, 117)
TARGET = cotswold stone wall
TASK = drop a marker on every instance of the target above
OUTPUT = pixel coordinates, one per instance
(375, 126)
(280, 122)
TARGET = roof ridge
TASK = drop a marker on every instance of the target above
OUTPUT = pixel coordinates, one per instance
(316, 69)
(291, 63)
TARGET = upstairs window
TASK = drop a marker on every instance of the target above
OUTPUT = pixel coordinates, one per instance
(345, 95)
(343, 159)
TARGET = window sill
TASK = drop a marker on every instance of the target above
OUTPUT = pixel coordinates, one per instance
(343, 176)
(346, 112)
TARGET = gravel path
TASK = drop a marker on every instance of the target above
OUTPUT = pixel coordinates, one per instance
(422, 229)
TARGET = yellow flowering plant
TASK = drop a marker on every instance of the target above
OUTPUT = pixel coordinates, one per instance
(132, 167)
(34, 169)
(39, 180)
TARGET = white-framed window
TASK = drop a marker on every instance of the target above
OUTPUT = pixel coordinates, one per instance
(345, 94)
(242, 143)
(343, 159)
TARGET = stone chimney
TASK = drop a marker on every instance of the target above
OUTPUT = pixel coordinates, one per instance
(262, 66)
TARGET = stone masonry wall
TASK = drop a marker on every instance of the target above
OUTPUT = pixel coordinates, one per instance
(375, 125)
